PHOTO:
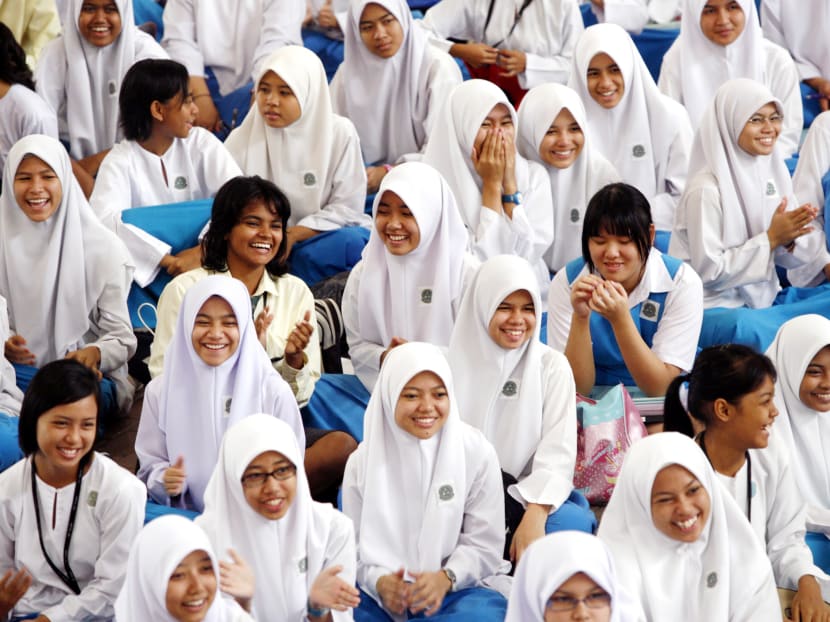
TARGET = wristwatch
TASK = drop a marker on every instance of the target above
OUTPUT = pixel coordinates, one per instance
(316, 613)
(451, 576)
(515, 198)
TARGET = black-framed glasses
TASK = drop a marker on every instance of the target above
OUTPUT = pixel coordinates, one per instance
(280, 474)
(597, 600)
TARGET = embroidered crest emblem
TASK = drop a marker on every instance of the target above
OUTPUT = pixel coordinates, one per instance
(92, 498)
(426, 295)
(302, 565)
(111, 87)
(574, 215)
(445, 493)
(712, 579)
(180, 183)
(226, 405)
(309, 179)
(510, 388)
(649, 310)
(770, 188)
(638, 151)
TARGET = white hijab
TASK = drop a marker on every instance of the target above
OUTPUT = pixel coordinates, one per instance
(710, 579)
(412, 296)
(481, 368)
(450, 144)
(705, 65)
(381, 95)
(638, 132)
(404, 521)
(156, 552)
(299, 158)
(53, 273)
(552, 560)
(286, 555)
(199, 402)
(806, 432)
(572, 187)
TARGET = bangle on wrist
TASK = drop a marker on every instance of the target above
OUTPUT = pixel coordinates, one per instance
(515, 198)
(314, 612)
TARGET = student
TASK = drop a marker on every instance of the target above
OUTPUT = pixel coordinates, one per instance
(569, 575)
(721, 40)
(517, 48)
(520, 394)
(553, 131)
(162, 159)
(80, 73)
(246, 241)
(634, 15)
(214, 348)
(76, 307)
(680, 543)
(173, 576)
(65, 558)
(293, 138)
(391, 84)
(504, 200)
(645, 134)
(257, 503)
(800, 353)
(22, 111)
(424, 492)
(624, 311)
(730, 394)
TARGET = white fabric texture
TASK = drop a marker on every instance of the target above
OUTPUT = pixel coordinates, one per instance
(158, 549)
(315, 161)
(634, 15)
(647, 136)
(423, 505)
(191, 423)
(723, 575)
(796, 31)
(573, 187)
(23, 112)
(10, 395)
(532, 428)
(81, 82)
(287, 554)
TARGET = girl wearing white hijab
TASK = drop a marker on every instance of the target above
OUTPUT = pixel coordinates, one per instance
(504, 200)
(644, 133)
(79, 74)
(680, 543)
(425, 495)
(171, 566)
(391, 84)
(258, 503)
(520, 394)
(77, 305)
(553, 131)
(544, 588)
(214, 348)
(293, 138)
(721, 40)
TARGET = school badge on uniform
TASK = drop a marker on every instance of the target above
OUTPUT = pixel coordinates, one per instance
(574, 215)
(302, 565)
(445, 493)
(510, 388)
(426, 296)
(650, 310)
(226, 406)
(638, 151)
(309, 179)
(770, 188)
(92, 498)
(180, 183)
(712, 579)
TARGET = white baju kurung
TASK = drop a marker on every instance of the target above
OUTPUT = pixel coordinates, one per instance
(634, 15)
(795, 30)
(23, 112)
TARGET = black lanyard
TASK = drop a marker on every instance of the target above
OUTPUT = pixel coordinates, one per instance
(748, 477)
(68, 577)
(516, 17)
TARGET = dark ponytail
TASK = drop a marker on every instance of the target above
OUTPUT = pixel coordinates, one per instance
(675, 416)
(13, 67)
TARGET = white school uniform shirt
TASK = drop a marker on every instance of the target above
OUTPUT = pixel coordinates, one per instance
(546, 32)
(795, 31)
(694, 67)
(723, 575)
(675, 341)
(10, 395)
(523, 400)
(316, 160)
(423, 505)
(530, 231)
(81, 82)
(393, 102)
(413, 296)
(647, 136)
(131, 176)
(159, 548)
(288, 554)
(84, 273)
(722, 219)
(232, 37)
(573, 187)
(110, 514)
(177, 420)
(634, 15)
(23, 112)
(804, 432)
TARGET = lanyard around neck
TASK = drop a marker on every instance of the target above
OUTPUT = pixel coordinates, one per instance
(516, 17)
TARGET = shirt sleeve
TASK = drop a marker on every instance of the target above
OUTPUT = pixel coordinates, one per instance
(281, 25)
(111, 323)
(167, 311)
(632, 15)
(151, 446)
(555, 67)
(43, 26)
(675, 341)
(180, 35)
(559, 311)
(341, 551)
(785, 84)
(365, 355)
(671, 175)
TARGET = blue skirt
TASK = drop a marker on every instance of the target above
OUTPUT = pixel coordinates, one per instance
(474, 604)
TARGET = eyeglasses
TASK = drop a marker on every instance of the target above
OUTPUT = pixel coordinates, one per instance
(257, 480)
(758, 119)
(597, 600)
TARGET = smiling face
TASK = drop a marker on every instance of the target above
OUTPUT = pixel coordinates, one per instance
(513, 322)
(277, 103)
(498, 119)
(423, 405)
(215, 335)
(254, 240)
(99, 22)
(191, 588)
(761, 131)
(65, 434)
(752, 417)
(680, 505)
(380, 31)
(563, 141)
(616, 258)
(604, 80)
(272, 497)
(396, 225)
(814, 391)
(177, 115)
(582, 588)
(37, 189)
(722, 21)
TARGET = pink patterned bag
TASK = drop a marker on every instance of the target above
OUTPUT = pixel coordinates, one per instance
(606, 428)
